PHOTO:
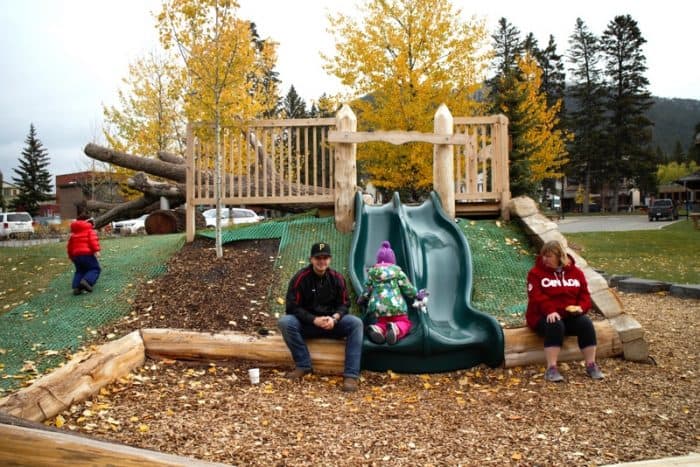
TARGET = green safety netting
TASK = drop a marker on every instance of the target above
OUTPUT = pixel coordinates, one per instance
(55, 321)
(502, 256)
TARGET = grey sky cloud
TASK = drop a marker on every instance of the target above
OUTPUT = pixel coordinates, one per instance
(63, 59)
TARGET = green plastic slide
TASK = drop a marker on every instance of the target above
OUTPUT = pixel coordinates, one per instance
(435, 255)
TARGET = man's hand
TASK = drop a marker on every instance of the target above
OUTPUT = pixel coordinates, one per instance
(553, 317)
(574, 309)
(324, 322)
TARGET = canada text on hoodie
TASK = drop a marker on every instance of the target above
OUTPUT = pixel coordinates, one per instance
(552, 290)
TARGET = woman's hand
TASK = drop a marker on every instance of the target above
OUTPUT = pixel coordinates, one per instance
(553, 317)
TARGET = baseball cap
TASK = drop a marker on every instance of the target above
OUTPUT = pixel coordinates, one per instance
(320, 249)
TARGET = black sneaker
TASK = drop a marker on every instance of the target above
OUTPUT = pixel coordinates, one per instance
(392, 333)
(77, 291)
(84, 284)
(374, 333)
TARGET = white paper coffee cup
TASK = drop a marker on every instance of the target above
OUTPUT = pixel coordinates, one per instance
(254, 374)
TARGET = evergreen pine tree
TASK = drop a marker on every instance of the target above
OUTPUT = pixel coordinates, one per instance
(678, 153)
(629, 130)
(33, 178)
(293, 106)
(553, 74)
(508, 47)
(586, 151)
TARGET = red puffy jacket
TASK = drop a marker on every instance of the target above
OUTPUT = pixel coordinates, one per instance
(549, 290)
(83, 239)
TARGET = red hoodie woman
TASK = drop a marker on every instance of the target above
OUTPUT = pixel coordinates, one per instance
(558, 300)
(83, 249)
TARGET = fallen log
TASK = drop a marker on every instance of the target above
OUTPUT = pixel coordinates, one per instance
(175, 172)
(127, 210)
(172, 191)
(170, 157)
(77, 380)
(522, 347)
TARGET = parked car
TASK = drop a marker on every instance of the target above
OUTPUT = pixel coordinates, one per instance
(13, 224)
(130, 226)
(238, 215)
(47, 220)
(663, 209)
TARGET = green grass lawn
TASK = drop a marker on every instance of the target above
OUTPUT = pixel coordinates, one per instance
(24, 272)
(671, 254)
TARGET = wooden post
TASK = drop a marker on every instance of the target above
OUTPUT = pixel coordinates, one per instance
(189, 186)
(345, 172)
(499, 134)
(443, 161)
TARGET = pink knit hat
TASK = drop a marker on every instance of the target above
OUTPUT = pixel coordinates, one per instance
(385, 254)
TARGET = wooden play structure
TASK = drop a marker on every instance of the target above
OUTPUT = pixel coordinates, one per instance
(312, 162)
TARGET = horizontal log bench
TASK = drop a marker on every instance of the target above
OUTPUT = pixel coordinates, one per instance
(522, 347)
(87, 372)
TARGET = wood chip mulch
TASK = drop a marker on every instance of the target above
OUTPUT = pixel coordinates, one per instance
(480, 416)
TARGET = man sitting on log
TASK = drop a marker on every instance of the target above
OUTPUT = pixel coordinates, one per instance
(317, 306)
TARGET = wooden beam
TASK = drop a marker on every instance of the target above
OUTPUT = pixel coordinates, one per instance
(21, 445)
(393, 137)
(522, 347)
(77, 380)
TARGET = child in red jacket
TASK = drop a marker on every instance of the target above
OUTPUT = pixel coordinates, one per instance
(557, 303)
(83, 250)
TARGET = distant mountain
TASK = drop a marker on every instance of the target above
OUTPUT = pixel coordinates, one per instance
(674, 120)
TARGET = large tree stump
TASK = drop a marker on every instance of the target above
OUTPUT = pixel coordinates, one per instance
(166, 221)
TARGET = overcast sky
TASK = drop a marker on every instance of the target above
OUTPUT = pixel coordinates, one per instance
(63, 59)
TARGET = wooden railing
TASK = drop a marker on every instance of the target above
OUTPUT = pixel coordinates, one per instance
(481, 161)
(313, 161)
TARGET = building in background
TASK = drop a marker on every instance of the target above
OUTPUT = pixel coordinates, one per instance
(75, 189)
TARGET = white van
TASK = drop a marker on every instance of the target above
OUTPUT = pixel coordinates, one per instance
(237, 215)
(13, 223)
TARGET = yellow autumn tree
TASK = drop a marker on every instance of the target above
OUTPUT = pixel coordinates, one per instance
(401, 61)
(539, 147)
(149, 117)
(226, 71)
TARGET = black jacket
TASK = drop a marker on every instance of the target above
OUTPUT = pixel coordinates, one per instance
(309, 295)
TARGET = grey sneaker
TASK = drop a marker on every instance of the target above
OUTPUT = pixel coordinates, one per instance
(374, 333)
(552, 375)
(593, 370)
(392, 333)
